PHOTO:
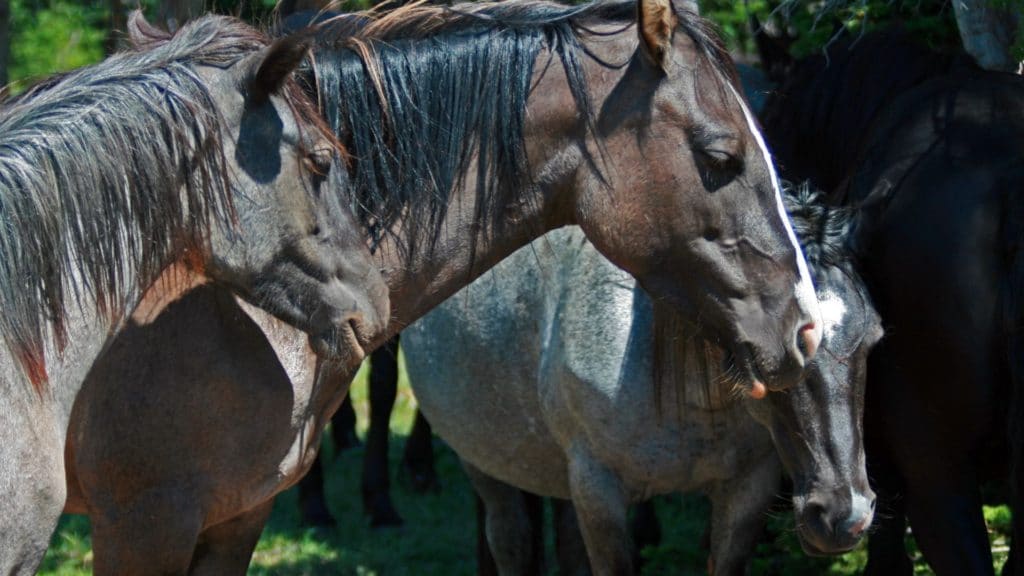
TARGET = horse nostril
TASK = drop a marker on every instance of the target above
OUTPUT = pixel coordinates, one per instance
(819, 514)
(854, 529)
(807, 340)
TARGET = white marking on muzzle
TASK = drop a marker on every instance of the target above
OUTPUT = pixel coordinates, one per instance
(860, 509)
(805, 296)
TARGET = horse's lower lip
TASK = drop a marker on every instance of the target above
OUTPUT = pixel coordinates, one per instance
(342, 342)
(755, 386)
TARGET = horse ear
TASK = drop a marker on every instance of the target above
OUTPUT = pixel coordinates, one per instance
(656, 21)
(142, 34)
(277, 64)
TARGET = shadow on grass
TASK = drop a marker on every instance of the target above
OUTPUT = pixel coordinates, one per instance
(437, 538)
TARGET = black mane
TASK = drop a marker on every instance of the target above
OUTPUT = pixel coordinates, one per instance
(419, 93)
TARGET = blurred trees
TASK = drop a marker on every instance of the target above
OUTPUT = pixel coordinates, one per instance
(48, 36)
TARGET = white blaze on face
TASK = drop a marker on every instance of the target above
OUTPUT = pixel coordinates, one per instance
(805, 295)
(833, 312)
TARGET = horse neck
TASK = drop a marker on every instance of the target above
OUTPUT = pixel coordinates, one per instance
(466, 248)
(469, 246)
(821, 116)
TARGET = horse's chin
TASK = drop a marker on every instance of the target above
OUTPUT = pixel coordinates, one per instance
(812, 549)
(745, 373)
(340, 346)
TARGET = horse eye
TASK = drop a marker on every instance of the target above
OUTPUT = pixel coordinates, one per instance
(716, 167)
(721, 158)
(318, 162)
(718, 156)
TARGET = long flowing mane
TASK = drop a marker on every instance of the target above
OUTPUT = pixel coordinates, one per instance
(419, 93)
(103, 172)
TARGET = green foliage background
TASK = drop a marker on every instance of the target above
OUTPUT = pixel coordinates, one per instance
(54, 36)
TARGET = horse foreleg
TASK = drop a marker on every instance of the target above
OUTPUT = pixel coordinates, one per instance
(32, 490)
(343, 426)
(738, 508)
(887, 552)
(226, 549)
(949, 526)
(312, 501)
(376, 483)
(602, 509)
(485, 564)
(126, 540)
(569, 545)
(509, 525)
(418, 457)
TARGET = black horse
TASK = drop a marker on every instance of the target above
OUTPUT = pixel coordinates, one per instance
(417, 466)
(930, 149)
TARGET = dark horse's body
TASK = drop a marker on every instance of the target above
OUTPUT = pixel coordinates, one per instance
(932, 151)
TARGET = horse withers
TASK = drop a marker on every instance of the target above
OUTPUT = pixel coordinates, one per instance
(556, 374)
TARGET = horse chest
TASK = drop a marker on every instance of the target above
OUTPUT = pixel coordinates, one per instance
(682, 449)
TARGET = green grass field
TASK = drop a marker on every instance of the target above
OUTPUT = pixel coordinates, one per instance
(438, 537)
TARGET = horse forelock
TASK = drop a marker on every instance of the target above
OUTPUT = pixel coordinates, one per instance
(822, 229)
(104, 172)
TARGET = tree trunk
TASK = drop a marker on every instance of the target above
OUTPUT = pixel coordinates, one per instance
(987, 33)
(174, 13)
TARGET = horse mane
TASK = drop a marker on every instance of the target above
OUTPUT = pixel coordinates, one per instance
(453, 80)
(817, 117)
(104, 171)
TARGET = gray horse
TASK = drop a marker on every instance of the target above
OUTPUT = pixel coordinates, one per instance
(556, 374)
(185, 155)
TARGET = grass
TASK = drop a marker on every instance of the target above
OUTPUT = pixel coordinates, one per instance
(438, 536)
